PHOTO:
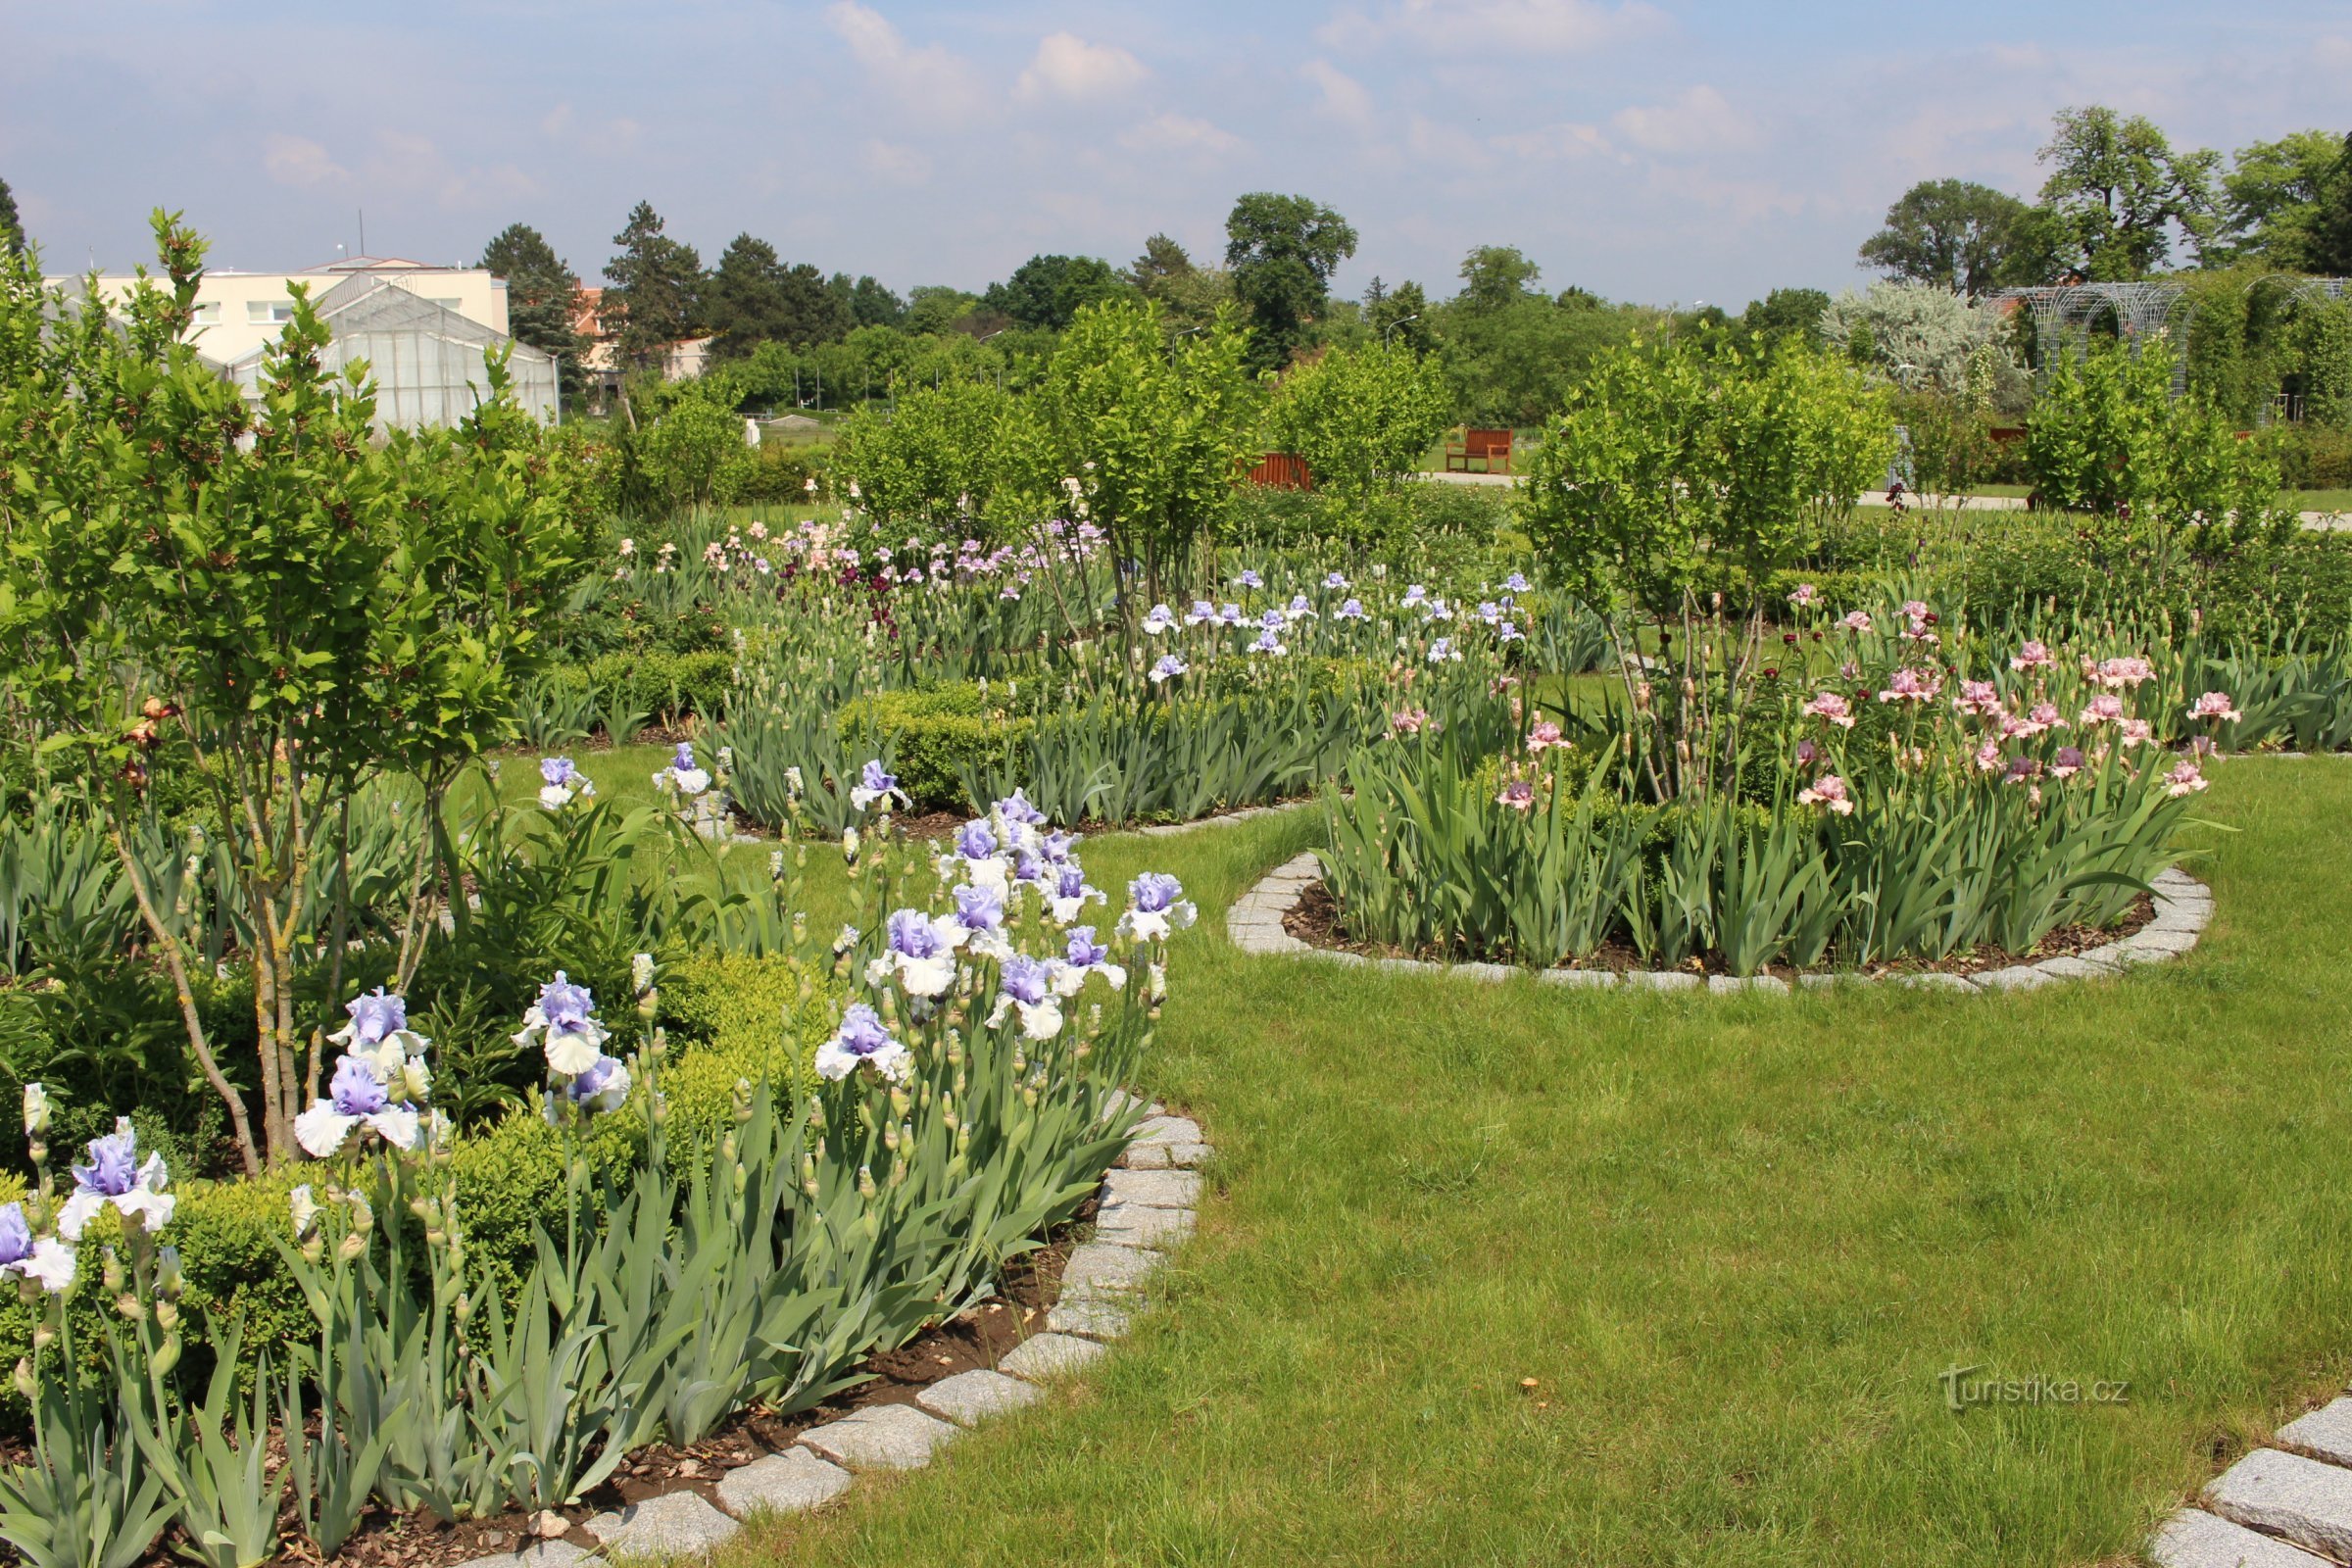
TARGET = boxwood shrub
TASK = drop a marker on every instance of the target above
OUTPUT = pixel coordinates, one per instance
(727, 1018)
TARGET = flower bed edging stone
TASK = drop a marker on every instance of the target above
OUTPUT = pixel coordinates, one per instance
(2184, 905)
(1148, 1200)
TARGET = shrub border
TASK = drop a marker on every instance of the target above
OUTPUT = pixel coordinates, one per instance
(2184, 905)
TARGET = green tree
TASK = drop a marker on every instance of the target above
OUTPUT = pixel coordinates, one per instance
(1360, 418)
(2331, 225)
(1787, 312)
(652, 302)
(1515, 366)
(2107, 436)
(1148, 432)
(1495, 277)
(2272, 199)
(945, 459)
(1671, 470)
(1047, 291)
(872, 305)
(1956, 235)
(753, 298)
(12, 228)
(936, 307)
(2120, 189)
(1281, 250)
(1920, 337)
(1189, 295)
(271, 604)
(1400, 315)
(542, 293)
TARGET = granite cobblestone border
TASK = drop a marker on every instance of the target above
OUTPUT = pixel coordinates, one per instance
(1148, 1202)
(2184, 905)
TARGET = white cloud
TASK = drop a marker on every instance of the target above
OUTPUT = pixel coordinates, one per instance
(1178, 133)
(1343, 97)
(1495, 27)
(901, 165)
(1067, 66)
(1565, 140)
(404, 160)
(1440, 143)
(1697, 120)
(300, 161)
(928, 79)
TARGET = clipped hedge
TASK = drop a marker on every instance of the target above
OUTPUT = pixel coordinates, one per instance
(655, 681)
(939, 731)
(727, 1018)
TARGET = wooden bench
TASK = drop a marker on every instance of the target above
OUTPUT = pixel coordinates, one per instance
(1281, 470)
(1492, 448)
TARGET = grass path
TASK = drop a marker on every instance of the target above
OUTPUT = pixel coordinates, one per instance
(1735, 1241)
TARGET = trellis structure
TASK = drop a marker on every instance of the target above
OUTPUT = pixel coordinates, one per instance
(2064, 312)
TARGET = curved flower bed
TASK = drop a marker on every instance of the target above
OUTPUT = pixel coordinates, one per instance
(1914, 810)
(965, 1101)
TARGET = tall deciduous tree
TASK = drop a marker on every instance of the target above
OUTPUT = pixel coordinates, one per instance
(541, 291)
(2120, 189)
(12, 228)
(2272, 199)
(1281, 250)
(1495, 277)
(651, 301)
(1048, 291)
(1957, 235)
(2331, 225)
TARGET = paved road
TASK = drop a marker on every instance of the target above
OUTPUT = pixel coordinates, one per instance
(2324, 521)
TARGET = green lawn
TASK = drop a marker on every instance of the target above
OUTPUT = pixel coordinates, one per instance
(1734, 1241)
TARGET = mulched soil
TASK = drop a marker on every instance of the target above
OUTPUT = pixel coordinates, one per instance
(1316, 921)
(979, 1338)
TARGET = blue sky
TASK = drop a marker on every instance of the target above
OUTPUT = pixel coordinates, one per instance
(1657, 150)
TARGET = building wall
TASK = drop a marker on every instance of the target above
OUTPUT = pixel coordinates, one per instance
(238, 313)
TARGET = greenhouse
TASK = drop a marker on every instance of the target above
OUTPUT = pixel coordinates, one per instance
(428, 362)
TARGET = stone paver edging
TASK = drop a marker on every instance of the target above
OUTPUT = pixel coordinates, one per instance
(1148, 1199)
(2183, 907)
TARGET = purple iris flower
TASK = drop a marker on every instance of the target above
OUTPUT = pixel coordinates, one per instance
(595, 1081)
(355, 1090)
(114, 1167)
(1015, 807)
(910, 933)
(1515, 582)
(1059, 847)
(979, 908)
(1272, 620)
(557, 770)
(1168, 668)
(1069, 882)
(1084, 950)
(974, 841)
(1027, 867)
(1335, 580)
(566, 1007)
(1350, 609)
(684, 761)
(1250, 579)
(375, 1015)
(861, 1032)
(16, 1237)
(873, 778)
(1232, 616)
(1155, 891)
(1026, 980)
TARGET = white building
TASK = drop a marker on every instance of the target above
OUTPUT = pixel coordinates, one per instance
(423, 332)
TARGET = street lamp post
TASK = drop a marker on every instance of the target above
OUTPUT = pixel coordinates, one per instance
(1391, 328)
